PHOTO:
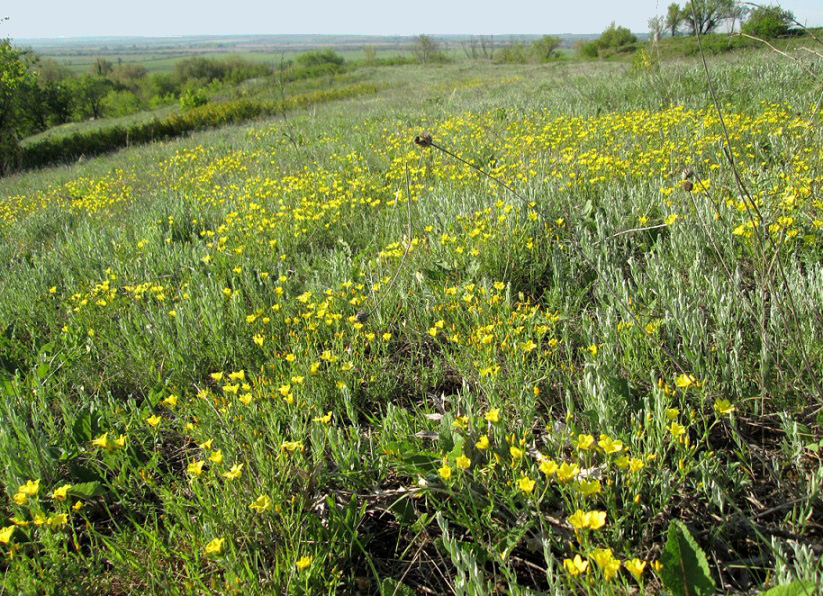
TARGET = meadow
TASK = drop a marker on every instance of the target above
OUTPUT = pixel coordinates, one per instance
(568, 343)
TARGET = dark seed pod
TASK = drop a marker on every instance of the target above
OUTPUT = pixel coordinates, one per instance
(424, 140)
(687, 185)
(361, 317)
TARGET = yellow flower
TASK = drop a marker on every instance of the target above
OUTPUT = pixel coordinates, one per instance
(171, 401)
(609, 445)
(463, 462)
(195, 468)
(386, 336)
(323, 419)
(5, 534)
(516, 452)
(548, 467)
(597, 519)
(261, 504)
(77, 506)
(154, 421)
(445, 472)
(258, 339)
(685, 381)
(292, 446)
(60, 494)
(635, 567)
(235, 472)
(584, 442)
(579, 520)
(588, 488)
(493, 415)
(482, 442)
(636, 464)
(20, 499)
(723, 407)
(246, 399)
(30, 488)
(592, 349)
(101, 441)
(215, 547)
(218, 376)
(676, 429)
(58, 519)
(526, 484)
(606, 561)
(672, 413)
(207, 444)
(303, 562)
(240, 375)
(567, 472)
(576, 566)
(216, 457)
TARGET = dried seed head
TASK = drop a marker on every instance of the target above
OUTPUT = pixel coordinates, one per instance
(687, 185)
(361, 317)
(424, 140)
(687, 174)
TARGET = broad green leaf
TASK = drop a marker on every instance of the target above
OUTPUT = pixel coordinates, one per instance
(87, 490)
(685, 568)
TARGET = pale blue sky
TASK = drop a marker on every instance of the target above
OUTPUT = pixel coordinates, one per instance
(62, 18)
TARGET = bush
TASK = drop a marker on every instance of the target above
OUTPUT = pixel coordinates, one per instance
(613, 38)
(317, 57)
(193, 98)
(768, 22)
(545, 48)
(121, 103)
(515, 53)
(616, 37)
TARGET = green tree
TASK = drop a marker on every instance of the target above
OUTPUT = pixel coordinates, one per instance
(89, 92)
(427, 50)
(768, 21)
(616, 37)
(704, 16)
(101, 67)
(13, 75)
(674, 17)
(545, 48)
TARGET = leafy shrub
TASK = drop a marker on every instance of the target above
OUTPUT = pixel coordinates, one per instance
(121, 103)
(515, 53)
(768, 22)
(545, 48)
(210, 115)
(613, 38)
(193, 98)
(317, 57)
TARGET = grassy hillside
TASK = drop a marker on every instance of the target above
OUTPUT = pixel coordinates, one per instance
(310, 355)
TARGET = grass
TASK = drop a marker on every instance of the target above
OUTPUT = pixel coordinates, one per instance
(559, 371)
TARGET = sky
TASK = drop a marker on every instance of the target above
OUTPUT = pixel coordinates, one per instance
(162, 18)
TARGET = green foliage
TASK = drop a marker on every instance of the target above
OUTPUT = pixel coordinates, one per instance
(121, 103)
(613, 39)
(685, 568)
(427, 50)
(705, 16)
(767, 22)
(208, 115)
(515, 53)
(318, 57)
(13, 75)
(193, 97)
(545, 48)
